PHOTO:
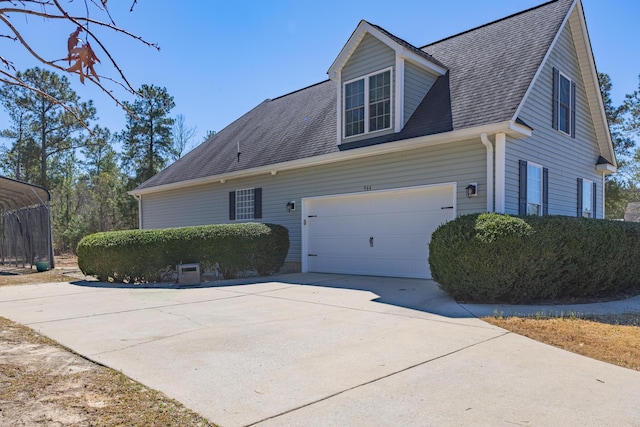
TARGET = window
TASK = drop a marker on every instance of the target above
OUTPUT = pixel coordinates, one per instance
(534, 189)
(354, 108)
(534, 195)
(367, 104)
(564, 104)
(586, 198)
(245, 204)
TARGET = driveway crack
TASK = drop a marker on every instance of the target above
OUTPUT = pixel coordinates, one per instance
(379, 378)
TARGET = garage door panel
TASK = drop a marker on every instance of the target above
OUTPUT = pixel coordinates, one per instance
(340, 228)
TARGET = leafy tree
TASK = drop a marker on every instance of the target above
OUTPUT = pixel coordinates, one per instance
(632, 107)
(101, 183)
(41, 127)
(147, 139)
(622, 142)
(15, 161)
(621, 187)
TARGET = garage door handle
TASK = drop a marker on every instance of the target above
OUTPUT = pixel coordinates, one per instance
(447, 207)
(371, 241)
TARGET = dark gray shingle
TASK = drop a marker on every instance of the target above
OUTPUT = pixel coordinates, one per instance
(490, 69)
(492, 66)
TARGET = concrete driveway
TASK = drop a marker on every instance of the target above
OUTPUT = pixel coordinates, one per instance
(330, 350)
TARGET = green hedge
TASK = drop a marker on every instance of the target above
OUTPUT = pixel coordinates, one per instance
(145, 255)
(500, 258)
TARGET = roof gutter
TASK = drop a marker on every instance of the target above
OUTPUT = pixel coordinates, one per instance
(510, 128)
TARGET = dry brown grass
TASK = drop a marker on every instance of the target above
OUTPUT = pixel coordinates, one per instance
(612, 338)
(42, 383)
(66, 270)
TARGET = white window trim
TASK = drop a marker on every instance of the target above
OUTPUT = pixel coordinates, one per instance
(366, 104)
(541, 168)
(559, 103)
(585, 199)
(239, 216)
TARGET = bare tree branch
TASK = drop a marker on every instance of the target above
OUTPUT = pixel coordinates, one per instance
(82, 55)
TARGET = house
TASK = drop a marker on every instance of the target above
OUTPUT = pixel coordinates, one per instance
(361, 168)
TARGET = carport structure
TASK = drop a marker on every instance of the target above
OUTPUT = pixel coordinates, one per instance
(25, 224)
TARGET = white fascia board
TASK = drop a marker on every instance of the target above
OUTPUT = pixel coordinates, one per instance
(590, 78)
(510, 128)
(347, 50)
(357, 36)
(543, 62)
(593, 96)
(422, 62)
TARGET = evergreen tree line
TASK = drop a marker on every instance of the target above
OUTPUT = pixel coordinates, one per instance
(65, 151)
(624, 126)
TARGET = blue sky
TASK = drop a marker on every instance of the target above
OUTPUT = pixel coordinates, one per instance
(219, 59)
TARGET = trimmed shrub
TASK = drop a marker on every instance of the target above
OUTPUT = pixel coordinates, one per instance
(145, 255)
(500, 258)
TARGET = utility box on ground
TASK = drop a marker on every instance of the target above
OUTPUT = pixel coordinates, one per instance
(189, 274)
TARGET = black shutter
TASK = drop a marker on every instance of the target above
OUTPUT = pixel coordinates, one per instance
(556, 98)
(232, 205)
(595, 199)
(573, 109)
(257, 203)
(579, 212)
(545, 191)
(522, 198)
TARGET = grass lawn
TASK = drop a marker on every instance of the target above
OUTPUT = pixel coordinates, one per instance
(611, 338)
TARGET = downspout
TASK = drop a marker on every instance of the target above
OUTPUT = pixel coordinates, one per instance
(489, 146)
(604, 214)
(139, 198)
(500, 172)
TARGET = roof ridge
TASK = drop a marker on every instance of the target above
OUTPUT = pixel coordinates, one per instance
(490, 23)
(406, 44)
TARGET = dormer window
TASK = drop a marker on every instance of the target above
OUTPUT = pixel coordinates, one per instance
(367, 104)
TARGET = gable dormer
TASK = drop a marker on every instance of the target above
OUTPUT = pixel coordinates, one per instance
(381, 81)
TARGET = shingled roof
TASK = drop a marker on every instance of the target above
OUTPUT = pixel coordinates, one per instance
(492, 66)
(490, 69)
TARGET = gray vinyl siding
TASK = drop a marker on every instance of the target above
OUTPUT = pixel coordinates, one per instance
(417, 83)
(566, 158)
(460, 162)
(370, 56)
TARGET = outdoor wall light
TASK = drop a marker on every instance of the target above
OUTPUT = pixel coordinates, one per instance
(472, 189)
(291, 206)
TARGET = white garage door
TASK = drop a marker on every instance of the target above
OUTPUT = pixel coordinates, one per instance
(383, 233)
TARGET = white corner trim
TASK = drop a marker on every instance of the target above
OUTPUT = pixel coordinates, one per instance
(500, 172)
(339, 108)
(398, 87)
